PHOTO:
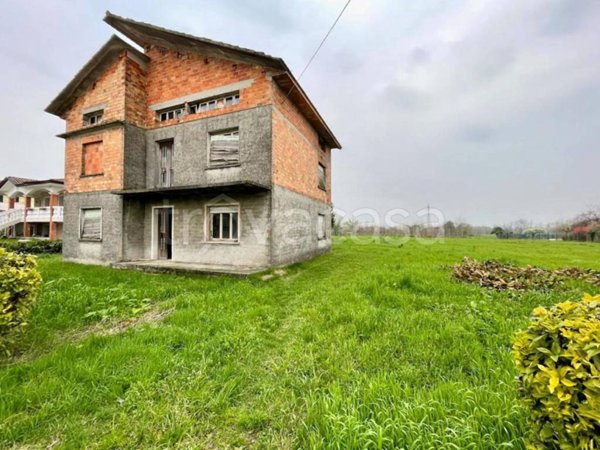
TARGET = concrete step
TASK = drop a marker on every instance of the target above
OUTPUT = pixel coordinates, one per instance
(168, 266)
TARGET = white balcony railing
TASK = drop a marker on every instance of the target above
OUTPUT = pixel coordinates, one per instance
(43, 214)
(11, 217)
(58, 214)
(15, 216)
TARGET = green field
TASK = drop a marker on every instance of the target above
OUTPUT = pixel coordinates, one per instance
(371, 346)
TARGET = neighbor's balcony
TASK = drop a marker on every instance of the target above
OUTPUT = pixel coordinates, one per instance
(42, 214)
(15, 216)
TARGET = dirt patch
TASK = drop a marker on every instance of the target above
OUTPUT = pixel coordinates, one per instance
(108, 328)
(276, 273)
(495, 275)
(154, 316)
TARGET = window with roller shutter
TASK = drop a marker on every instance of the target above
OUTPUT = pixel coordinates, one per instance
(224, 149)
(90, 224)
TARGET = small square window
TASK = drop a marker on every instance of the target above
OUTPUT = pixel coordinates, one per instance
(223, 222)
(174, 113)
(232, 100)
(93, 118)
(215, 103)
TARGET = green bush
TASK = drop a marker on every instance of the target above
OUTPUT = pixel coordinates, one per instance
(33, 247)
(558, 358)
(19, 284)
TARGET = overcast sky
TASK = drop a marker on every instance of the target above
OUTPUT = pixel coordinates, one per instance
(487, 110)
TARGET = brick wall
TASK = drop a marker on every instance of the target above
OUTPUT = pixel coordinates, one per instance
(94, 162)
(296, 150)
(135, 93)
(127, 89)
(111, 166)
(108, 89)
(173, 74)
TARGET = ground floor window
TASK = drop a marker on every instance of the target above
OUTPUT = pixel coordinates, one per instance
(321, 226)
(223, 223)
(90, 224)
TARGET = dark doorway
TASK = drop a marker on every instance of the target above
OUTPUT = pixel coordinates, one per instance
(164, 218)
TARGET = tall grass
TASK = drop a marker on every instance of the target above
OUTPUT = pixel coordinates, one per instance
(371, 346)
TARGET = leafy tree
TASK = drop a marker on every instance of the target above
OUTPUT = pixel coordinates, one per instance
(497, 231)
(449, 229)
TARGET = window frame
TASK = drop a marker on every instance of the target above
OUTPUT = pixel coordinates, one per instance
(96, 116)
(81, 218)
(322, 186)
(211, 134)
(321, 231)
(208, 225)
(171, 169)
(177, 112)
(212, 103)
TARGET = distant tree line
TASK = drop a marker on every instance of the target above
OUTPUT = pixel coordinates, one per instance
(585, 227)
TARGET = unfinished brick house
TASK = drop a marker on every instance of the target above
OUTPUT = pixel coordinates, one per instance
(192, 153)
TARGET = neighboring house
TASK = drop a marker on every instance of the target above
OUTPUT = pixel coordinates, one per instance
(586, 229)
(194, 152)
(31, 208)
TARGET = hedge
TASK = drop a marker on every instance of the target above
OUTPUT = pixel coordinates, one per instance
(19, 284)
(33, 246)
(558, 359)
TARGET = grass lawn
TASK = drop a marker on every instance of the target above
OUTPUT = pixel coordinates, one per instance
(371, 346)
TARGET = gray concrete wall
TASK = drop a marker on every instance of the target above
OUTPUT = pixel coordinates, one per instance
(134, 216)
(191, 243)
(104, 252)
(134, 170)
(294, 227)
(191, 143)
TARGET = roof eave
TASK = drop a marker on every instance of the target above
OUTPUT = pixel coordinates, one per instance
(113, 46)
(144, 34)
(332, 141)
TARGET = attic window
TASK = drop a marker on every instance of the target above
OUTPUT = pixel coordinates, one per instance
(93, 118)
(169, 114)
(215, 103)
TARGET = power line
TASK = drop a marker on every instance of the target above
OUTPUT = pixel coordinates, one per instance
(317, 50)
(324, 39)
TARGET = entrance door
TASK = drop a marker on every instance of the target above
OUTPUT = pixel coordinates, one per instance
(165, 233)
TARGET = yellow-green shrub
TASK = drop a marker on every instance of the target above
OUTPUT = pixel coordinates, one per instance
(19, 284)
(558, 358)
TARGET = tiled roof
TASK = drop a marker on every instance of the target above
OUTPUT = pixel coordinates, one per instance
(19, 181)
